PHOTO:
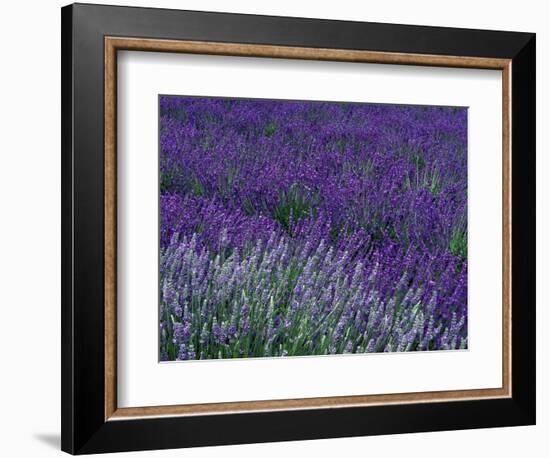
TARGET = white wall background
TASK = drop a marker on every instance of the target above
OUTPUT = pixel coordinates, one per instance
(30, 227)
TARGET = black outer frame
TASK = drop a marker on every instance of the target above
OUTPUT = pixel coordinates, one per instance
(84, 429)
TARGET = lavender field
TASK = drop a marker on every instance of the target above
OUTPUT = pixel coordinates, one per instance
(311, 228)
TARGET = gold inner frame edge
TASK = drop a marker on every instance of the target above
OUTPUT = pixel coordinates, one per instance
(114, 44)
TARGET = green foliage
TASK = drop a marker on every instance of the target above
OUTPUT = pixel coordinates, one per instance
(458, 245)
(361, 169)
(292, 206)
(434, 182)
(423, 177)
(167, 181)
(418, 161)
(196, 187)
(248, 206)
(334, 232)
(227, 181)
(171, 181)
(270, 129)
(392, 233)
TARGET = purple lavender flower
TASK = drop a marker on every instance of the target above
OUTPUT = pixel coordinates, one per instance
(307, 228)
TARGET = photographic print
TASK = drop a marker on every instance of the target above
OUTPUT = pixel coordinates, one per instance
(301, 228)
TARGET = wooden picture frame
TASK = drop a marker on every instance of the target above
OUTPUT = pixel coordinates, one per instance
(91, 419)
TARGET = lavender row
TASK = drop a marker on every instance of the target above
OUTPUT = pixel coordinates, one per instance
(281, 298)
(393, 171)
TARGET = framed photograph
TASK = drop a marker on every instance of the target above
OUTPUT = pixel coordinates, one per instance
(281, 228)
